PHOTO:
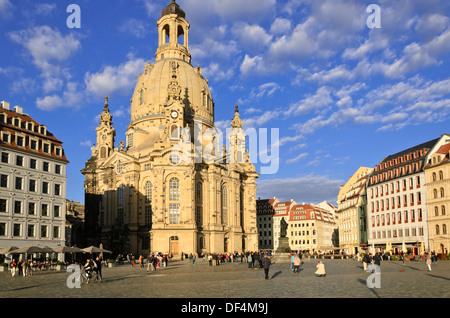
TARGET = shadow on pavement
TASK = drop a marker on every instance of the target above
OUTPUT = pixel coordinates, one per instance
(276, 274)
(438, 277)
(362, 281)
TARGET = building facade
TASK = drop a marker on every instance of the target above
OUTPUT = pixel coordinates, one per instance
(311, 228)
(351, 212)
(33, 182)
(171, 188)
(264, 212)
(280, 212)
(397, 200)
(437, 176)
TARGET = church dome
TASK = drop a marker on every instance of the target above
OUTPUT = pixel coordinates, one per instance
(171, 77)
(152, 91)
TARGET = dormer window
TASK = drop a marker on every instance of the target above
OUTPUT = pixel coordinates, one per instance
(3, 118)
(42, 130)
(46, 148)
(16, 122)
(6, 137)
(30, 126)
(33, 144)
(58, 151)
(20, 141)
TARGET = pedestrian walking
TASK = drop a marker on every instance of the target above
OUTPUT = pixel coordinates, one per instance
(320, 272)
(428, 261)
(250, 261)
(296, 263)
(20, 267)
(98, 268)
(366, 261)
(377, 262)
(266, 265)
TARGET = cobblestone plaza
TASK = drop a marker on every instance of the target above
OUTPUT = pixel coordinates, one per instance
(345, 279)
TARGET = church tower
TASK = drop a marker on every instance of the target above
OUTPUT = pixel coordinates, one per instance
(143, 196)
(105, 134)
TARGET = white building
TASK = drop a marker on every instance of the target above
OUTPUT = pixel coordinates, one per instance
(32, 182)
(396, 200)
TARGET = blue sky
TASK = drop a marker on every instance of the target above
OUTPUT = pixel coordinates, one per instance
(342, 95)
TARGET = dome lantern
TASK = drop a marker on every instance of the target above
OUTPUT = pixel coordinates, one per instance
(173, 32)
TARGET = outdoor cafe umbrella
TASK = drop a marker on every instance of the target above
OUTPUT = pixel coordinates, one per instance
(422, 248)
(93, 249)
(29, 250)
(68, 249)
(7, 250)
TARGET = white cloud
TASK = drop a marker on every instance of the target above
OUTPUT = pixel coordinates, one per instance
(49, 50)
(86, 143)
(280, 26)
(253, 38)
(300, 188)
(44, 8)
(249, 10)
(215, 71)
(5, 8)
(115, 79)
(135, 27)
(318, 102)
(71, 97)
(297, 158)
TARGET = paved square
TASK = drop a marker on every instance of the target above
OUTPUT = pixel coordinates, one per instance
(345, 279)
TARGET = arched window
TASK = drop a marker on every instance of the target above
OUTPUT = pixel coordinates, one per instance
(441, 175)
(174, 195)
(174, 189)
(434, 176)
(165, 34)
(174, 132)
(103, 152)
(444, 229)
(224, 205)
(442, 192)
(435, 193)
(199, 200)
(181, 34)
(141, 97)
(436, 211)
(198, 192)
(120, 194)
(443, 210)
(148, 192)
(437, 229)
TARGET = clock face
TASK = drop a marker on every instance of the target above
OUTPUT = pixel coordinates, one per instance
(104, 137)
(174, 114)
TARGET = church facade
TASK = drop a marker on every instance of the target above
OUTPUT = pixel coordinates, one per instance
(172, 187)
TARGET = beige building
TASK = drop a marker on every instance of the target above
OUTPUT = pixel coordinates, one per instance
(311, 228)
(172, 187)
(437, 176)
(351, 212)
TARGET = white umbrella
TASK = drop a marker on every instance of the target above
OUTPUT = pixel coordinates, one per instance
(29, 250)
(7, 250)
(93, 249)
(67, 249)
(404, 250)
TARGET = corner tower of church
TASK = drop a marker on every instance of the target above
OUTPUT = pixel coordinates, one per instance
(139, 196)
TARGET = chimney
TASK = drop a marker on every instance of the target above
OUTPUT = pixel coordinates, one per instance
(18, 109)
(5, 105)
